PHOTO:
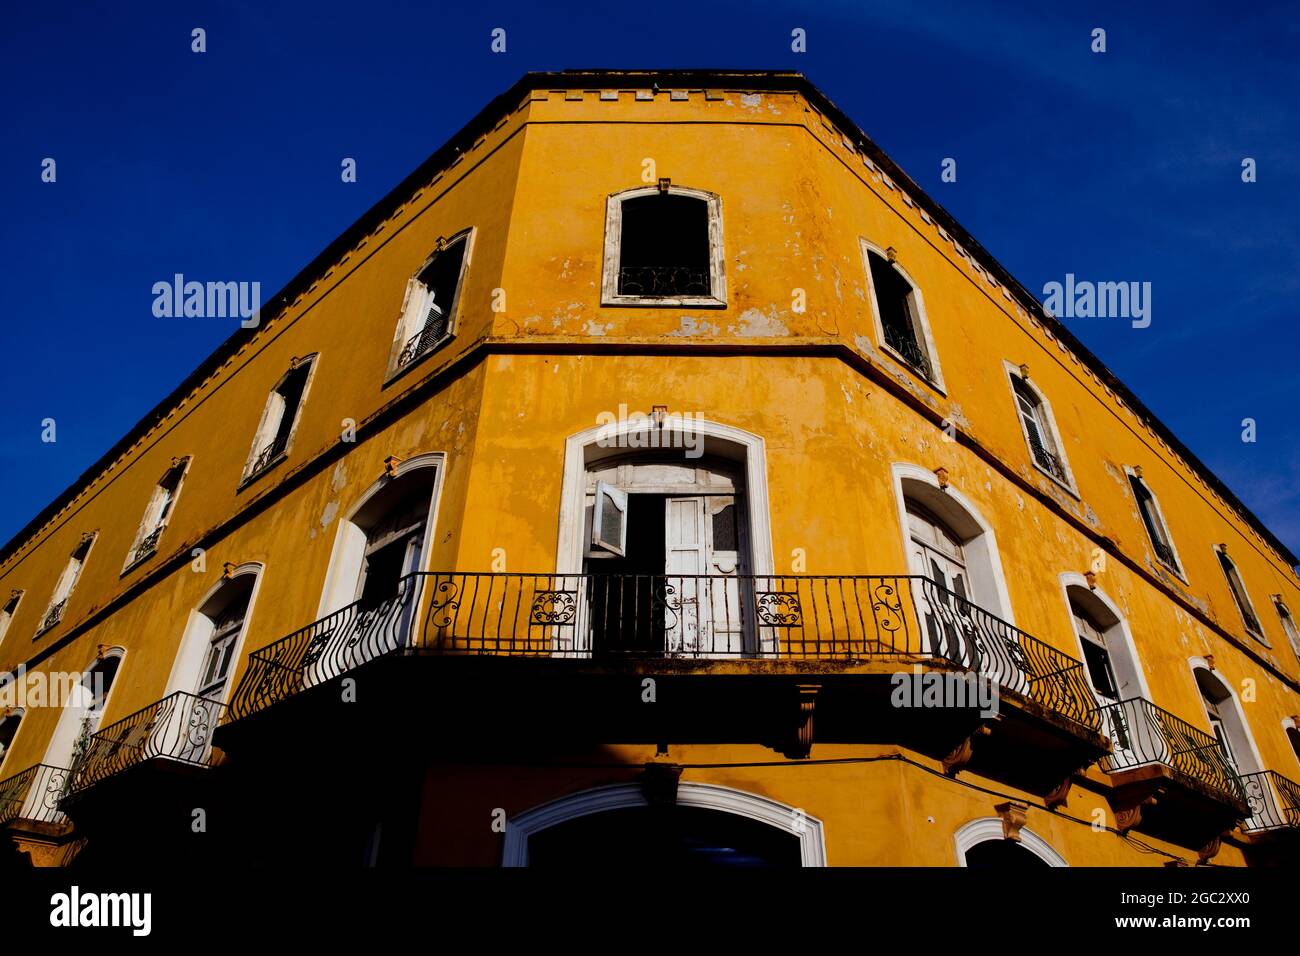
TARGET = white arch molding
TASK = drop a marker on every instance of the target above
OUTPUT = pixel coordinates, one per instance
(987, 829)
(58, 753)
(706, 796)
(1248, 737)
(1072, 579)
(192, 653)
(350, 539)
(726, 441)
(983, 562)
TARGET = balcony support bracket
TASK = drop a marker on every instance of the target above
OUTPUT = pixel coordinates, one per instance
(1126, 818)
(801, 740)
(1058, 797)
(961, 755)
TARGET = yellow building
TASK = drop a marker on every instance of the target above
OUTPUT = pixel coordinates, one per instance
(657, 472)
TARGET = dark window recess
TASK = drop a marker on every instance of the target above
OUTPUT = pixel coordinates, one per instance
(1099, 669)
(1151, 518)
(441, 279)
(1239, 593)
(673, 838)
(664, 250)
(724, 530)
(1003, 854)
(291, 390)
(894, 299)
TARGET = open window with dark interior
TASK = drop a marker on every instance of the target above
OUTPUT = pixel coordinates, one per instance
(898, 310)
(283, 405)
(429, 313)
(663, 248)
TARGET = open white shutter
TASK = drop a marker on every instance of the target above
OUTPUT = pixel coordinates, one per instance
(609, 520)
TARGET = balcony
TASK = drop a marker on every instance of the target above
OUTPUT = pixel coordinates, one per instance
(1170, 779)
(30, 800)
(804, 642)
(170, 735)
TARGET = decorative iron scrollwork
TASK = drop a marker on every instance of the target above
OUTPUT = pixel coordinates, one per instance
(778, 609)
(554, 607)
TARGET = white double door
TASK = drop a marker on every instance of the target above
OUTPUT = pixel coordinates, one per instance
(703, 606)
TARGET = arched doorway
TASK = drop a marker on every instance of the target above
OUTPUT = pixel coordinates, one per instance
(707, 826)
(983, 843)
(664, 531)
(666, 837)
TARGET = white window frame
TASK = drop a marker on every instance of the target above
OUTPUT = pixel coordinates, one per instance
(609, 294)
(268, 426)
(920, 318)
(152, 520)
(989, 829)
(16, 714)
(1046, 420)
(71, 574)
(607, 496)
(1240, 594)
(1177, 567)
(10, 610)
(410, 319)
(1284, 616)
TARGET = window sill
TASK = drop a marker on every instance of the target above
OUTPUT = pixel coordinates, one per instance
(1171, 569)
(912, 370)
(1258, 638)
(269, 466)
(663, 302)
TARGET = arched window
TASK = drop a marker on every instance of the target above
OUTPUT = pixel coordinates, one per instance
(9, 610)
(1154, 521)
(83, 713)
(898, 310)
(663, 246)
(67, 582)
(1283, 614)
(1226, 721)
(983, 843)
(1292, 735)
(1039, 428)
(1110, 661)
(8, 730)
(1239, 595)
(430, 308)
(214, 635)
(158, 512)
(279, 418)
(371, 588)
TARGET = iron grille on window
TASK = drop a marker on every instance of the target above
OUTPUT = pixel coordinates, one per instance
(905, 344)
(1164, 552)
(148, 544)
(274, 448)
(1047, 460)
(662, 281)
(434, 331)
(54, 615)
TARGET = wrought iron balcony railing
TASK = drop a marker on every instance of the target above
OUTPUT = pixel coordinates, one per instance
(33, 794)
(1143, 734)
(794, 617)
(663, 281)
(1274, 801)
(178, 727)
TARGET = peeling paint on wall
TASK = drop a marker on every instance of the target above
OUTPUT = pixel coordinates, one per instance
(754, 323)
(691, 326)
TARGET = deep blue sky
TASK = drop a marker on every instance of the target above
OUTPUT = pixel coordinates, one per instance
(1122, 166)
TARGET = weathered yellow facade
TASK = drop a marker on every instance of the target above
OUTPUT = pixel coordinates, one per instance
(794, 358)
